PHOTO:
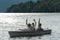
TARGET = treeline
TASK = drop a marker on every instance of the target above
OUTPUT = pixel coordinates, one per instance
(39, 6)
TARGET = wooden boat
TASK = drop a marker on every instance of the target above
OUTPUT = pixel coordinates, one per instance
(28, 33)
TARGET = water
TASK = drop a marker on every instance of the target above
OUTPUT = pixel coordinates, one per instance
(17, 21)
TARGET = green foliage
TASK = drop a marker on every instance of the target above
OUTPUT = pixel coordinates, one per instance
(39, 6)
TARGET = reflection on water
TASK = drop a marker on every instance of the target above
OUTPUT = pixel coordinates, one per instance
(17, 21)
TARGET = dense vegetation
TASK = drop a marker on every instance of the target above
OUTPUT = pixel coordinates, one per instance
(39, 6)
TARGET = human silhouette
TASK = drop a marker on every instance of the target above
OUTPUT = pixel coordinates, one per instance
(34, 24)
(39, 25)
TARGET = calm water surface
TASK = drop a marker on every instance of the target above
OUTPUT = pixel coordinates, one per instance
(16, 21)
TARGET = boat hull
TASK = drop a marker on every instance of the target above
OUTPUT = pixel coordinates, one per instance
(28, 34)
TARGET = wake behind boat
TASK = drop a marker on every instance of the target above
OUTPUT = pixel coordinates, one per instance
(30, 32)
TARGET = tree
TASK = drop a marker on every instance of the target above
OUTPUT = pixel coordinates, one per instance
(39, 6)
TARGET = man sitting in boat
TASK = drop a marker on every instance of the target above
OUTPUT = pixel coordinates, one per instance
(34, 25)
(39, 26)
(31, 27)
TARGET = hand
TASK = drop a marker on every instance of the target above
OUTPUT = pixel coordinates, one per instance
(26, 19)
(39, 18)
(33, 19)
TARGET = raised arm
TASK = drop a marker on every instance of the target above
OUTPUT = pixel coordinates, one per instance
(34, 21)
(26, 21)
(39, 21)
